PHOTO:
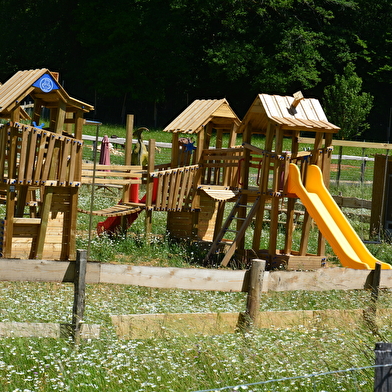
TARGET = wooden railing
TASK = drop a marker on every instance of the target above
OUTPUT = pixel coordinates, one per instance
(220, 166)
(174, 188)
(36, 157)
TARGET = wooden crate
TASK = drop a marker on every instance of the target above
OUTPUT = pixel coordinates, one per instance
(26, 235)
(184, 224)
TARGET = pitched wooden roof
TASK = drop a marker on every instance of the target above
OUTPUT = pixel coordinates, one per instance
(39, 84)
(304, 114)
(200, 113)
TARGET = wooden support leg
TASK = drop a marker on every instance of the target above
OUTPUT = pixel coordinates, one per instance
(289, 226)
(305, 234)
(259, 225)
(9, 232)
(68, 248)
(45, 211)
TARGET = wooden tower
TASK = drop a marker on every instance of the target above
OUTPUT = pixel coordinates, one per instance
(40, 167)
(275, 118)
(198, 122)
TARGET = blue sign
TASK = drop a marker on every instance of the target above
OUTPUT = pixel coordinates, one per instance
(46, 83)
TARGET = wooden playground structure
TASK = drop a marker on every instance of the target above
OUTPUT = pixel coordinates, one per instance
(225, 176)
(39, 168)
(215, 167)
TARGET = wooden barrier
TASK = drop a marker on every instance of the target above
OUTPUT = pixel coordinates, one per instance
(174, 188)
(142, 326)
(108, 175)
(38, 157)
(190, 278)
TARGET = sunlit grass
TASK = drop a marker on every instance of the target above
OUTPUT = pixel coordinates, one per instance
(176, 363)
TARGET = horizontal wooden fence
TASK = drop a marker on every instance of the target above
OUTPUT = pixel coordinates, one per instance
(190, 278)
(138, 326)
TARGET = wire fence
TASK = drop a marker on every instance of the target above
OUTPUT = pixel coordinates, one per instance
(355, 379)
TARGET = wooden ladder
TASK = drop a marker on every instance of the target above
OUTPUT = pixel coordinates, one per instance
(239, 231)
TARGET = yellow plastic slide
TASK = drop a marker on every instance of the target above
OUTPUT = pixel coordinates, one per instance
(330, 220)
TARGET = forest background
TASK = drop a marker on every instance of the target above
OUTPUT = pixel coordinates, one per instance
(152, 58)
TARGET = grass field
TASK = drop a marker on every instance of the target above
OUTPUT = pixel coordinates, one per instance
(177, 363)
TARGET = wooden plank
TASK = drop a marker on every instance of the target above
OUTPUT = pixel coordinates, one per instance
(165, 190)
(270, 104)
(28, 270)
(349, 143)
(324, 279)
(46, 330)
(144, 326)
(174, 190)
(73, 162)
(27, 221)
(184, 188)
(3, 149)
(189, 278)
(64, 157)
(48, 161)
(158, 201)
(31, 158)
(23, 156)
(132, 169)
(40, 159)
(180, 278)
(109, 181)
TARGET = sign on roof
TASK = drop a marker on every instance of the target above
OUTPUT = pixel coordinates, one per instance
(46, 83)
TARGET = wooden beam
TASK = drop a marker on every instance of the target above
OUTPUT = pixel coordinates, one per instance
(321, 279)
(143, 326)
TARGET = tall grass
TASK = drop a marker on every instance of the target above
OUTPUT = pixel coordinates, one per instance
(178, 363)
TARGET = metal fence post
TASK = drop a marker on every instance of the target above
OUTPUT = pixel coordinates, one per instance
(383, 374)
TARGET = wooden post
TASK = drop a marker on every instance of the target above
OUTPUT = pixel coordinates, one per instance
(79, 293)
(149, 189)
(339, 165)
(254, 291)
(370, 313)
(376, 282)
(383, 374)
(128, 139)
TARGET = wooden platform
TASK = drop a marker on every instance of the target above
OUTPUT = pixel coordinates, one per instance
(117, 210)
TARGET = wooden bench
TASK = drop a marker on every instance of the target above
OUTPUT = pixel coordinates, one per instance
(109, 175)
(118, 176)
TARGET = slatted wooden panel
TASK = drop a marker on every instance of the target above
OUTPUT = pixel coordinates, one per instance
(25, 236)
(111, 174)
(29, 157)
(180, 223)
(220, 166)
(174, 188)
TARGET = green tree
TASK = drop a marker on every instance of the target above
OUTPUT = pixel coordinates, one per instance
(346, 105)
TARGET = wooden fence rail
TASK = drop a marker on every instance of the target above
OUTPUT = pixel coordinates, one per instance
(190, 278)
(139, 326)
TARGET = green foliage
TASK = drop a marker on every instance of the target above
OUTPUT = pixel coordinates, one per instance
(346, 106)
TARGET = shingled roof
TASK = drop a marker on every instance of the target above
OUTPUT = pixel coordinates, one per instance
(291, 113)
(39, 84)
(200, 113)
